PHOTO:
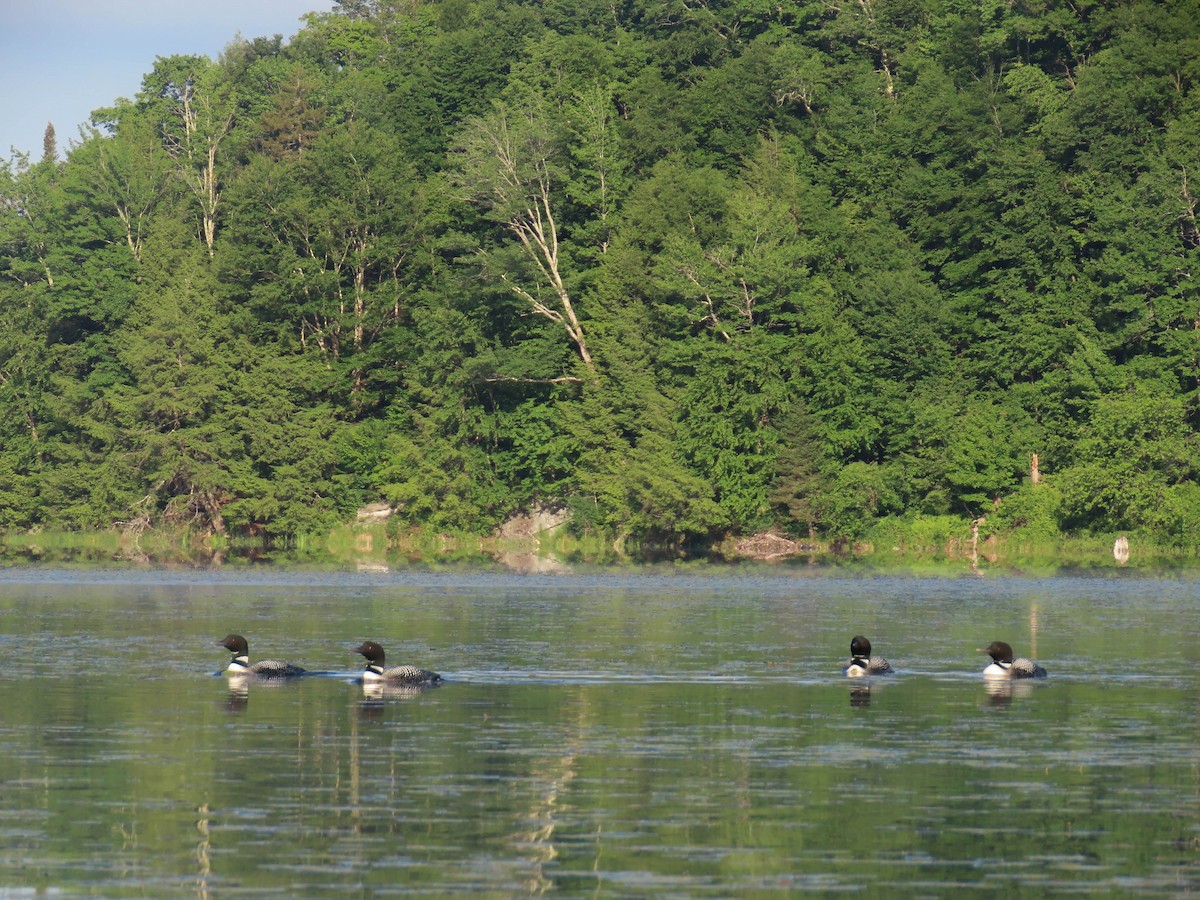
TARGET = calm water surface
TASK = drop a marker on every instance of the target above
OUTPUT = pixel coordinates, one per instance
(636, 735)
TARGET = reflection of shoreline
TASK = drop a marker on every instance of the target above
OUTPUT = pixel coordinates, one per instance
(546, 810)
(530, 563)
(203, 852)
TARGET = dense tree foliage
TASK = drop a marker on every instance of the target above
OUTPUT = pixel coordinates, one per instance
(688, 269)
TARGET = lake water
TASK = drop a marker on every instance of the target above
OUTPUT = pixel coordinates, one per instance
(641, 734)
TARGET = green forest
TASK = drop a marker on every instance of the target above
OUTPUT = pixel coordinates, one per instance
(685, 268)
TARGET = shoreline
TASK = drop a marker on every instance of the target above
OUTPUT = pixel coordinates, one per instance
(367, 548)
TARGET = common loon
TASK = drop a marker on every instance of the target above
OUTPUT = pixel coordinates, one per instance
(264, 668)
(862, 662)
(1004, 666)
(409, 675)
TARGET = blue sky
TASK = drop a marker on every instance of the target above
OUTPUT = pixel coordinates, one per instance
(60, 59)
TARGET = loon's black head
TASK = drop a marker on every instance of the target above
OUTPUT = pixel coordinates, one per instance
(372, 651)
(999, 651)
(235, 644)
(860, 647)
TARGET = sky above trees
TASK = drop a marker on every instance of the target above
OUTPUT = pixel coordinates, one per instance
(61, 59)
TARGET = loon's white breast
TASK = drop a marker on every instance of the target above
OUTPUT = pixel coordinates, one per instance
(861, 661)
(855, 668)
(1004, 666)
(397, 675)
(265, 668)
(401, 675)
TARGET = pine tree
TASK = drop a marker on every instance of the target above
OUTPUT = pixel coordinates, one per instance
(49, 144)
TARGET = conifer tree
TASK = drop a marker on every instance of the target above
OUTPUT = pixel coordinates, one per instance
(49, 144)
